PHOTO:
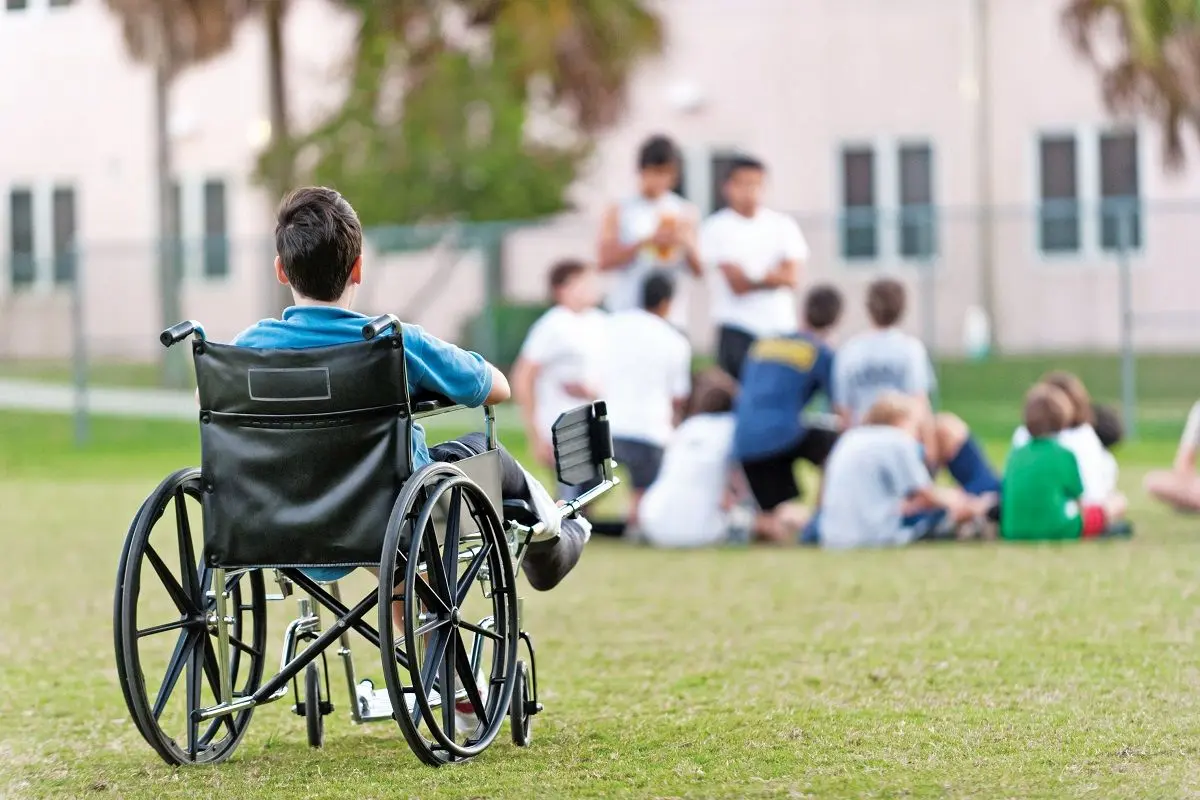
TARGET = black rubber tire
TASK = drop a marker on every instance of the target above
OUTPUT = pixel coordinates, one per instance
(313, 718)
(522, 722)
(194, 637)
(414, 511)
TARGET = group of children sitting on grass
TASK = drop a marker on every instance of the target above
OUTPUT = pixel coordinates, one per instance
(728, 470)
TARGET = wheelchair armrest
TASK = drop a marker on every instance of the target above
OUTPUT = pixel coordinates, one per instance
(428, 401)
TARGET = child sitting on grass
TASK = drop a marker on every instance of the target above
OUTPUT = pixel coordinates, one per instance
(1097, 466)
(1043, 491)
(877, 491)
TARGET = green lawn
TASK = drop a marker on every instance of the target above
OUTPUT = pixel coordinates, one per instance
(941, 671)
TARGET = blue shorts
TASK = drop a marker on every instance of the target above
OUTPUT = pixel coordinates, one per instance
(922, 525)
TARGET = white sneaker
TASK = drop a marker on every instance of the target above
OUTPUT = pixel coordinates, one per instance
(465, 720)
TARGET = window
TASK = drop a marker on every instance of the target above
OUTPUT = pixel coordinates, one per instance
(718, 171)
(60, 3)
(917, 234)
(22, 264)
(216, 232)
(16, 5)
(63, 234)
(1058, 215)
(860, 221)
(1120, 199)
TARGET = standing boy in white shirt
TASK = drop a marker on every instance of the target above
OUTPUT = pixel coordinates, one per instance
(652, 230)
(561, 360)
(757, 254)
(646, 382)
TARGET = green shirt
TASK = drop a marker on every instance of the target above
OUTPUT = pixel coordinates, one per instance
(1041, 493)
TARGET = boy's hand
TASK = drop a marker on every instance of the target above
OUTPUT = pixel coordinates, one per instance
(579, 390)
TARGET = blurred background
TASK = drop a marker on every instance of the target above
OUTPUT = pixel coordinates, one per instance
(1027, 166)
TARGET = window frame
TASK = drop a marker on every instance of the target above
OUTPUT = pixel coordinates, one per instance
(931, 209)
(843, 210)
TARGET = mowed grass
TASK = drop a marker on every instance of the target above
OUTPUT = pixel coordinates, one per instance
(938, 671)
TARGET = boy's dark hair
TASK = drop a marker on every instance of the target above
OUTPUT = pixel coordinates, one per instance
(1076, 392)
(565, 271)
(318, 238)
(658, 151)
(1109, 427)
(1047, 410)
(822, 307)
(657, 289)
(713, 392)
(739, 163)
(885, 301)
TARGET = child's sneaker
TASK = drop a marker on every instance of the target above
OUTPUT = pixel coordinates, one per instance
(466, 721)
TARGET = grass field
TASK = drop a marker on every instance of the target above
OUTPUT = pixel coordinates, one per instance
(948, 671)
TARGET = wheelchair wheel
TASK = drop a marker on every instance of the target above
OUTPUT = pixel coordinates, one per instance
(451, 573)
(313, 718)
(164, 624)
(518, 713)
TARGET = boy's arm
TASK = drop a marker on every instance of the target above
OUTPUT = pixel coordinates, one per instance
(610, 253)
(525, 373)
(443, 368)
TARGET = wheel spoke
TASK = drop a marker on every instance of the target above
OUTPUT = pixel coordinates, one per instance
(433, 657)
(178, 596)
(174, 669)
(187, 552)
(450, 546)
(184, 622)
(195, 665)
(428, 596)
(429, 627)
(480, 630)
(471, 573)
(448, 693)
(434, 565)
(468, 679)
(245, 648)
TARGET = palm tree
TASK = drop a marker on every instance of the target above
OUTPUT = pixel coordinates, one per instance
(1156, 67)
(587, 49)
(169, 36)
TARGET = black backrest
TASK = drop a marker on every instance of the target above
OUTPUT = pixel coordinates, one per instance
(303, 452)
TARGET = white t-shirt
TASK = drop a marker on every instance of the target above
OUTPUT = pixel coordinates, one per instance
(638, 217)
(569, 348)
(756, 244)
(682, 508)
(1097, 466)
(647, 366)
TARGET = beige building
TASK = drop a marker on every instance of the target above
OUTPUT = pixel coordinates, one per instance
(867, 112)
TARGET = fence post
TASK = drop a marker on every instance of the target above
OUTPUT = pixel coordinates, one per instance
(1128, 363)
(493, 279)
(78, 349)
(928, 276)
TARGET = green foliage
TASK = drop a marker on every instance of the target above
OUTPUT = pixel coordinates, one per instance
(433, 130)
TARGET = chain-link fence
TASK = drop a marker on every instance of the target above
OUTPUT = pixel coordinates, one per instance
(1106, 291)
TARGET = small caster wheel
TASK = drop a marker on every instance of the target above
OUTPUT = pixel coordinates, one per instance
(313, 718)
(519, 708)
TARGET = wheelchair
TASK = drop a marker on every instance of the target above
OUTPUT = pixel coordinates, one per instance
(306, 462)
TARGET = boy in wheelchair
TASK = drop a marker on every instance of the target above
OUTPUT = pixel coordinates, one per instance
(318, 241)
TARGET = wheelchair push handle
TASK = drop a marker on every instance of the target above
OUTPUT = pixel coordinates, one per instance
(380, 325)
(180, 331)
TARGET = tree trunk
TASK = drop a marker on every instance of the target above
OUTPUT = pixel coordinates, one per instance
(174, 362)
(281, 179)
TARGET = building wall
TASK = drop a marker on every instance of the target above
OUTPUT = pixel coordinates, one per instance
(792, 81)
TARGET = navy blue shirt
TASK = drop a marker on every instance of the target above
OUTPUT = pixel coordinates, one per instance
(779, 379)
(432, 364)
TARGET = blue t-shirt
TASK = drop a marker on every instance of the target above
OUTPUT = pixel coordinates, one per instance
(779, 379)
(432, 364)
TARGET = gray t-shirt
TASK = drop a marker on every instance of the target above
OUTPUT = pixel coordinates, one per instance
(878, 361)
(869, 474)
